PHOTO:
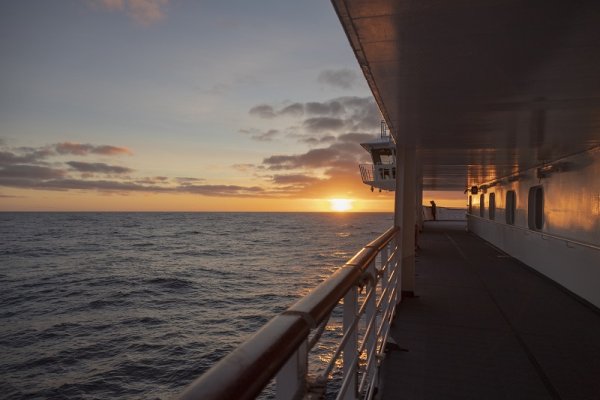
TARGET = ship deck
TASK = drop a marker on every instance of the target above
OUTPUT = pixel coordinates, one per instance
(482, 325)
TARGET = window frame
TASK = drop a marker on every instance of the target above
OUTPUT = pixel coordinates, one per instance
(482, 205)
(535, 208)
(510, 207)
(492, 206)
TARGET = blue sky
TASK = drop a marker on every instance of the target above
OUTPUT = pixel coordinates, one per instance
(195, 89)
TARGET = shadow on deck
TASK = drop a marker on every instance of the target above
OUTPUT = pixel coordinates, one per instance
(484, 326)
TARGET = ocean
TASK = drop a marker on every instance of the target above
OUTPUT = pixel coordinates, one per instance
(137, 305)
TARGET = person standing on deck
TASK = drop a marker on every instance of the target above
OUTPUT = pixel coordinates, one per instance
(433, 210)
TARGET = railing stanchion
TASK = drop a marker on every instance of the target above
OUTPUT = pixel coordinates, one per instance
(371, 312)
(351, 347)
(384, 258)
(398, 265)
(290, 381)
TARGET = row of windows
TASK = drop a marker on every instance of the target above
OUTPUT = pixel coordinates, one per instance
(535, 207)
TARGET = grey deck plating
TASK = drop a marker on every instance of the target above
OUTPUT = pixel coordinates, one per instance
(484, 326)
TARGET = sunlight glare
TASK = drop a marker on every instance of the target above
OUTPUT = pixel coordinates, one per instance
(340, 205)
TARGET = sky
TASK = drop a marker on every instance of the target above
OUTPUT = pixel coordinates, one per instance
(181, 105)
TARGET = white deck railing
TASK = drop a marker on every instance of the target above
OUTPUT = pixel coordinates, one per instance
(368, 289)
(371, 173)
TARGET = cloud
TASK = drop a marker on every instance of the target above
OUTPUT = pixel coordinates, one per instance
(223, 190)
(339, 78)
(100, 185)
(19, 168)
(10, 158)
(244, 167)
(85, 149)
(315, 158)
(266, 136)
(187, 180)
(334, 129)
(355, 137)
(18, 171)
(100, 168)
(147, 12)
(38, 156)
(263, 111)
(323, 124)
(337, 164)
(333, 108)
(318, 120)
(294, 179)
(156, 180)
(294, 110)
(261, 136)
(313, 141)
(36, 182)
(143, 12)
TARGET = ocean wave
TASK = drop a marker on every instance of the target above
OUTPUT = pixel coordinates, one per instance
(138, 305)
(171, 283)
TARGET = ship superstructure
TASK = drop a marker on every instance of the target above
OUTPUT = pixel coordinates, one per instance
(381, 173)
(480, 101)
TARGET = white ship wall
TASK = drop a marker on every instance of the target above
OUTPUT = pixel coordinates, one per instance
(567, 247)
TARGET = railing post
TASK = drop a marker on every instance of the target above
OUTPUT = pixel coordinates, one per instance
(371, 314)
(384, 254)
(397, 262)
(290, 381)
(351, 347)
(389, 269)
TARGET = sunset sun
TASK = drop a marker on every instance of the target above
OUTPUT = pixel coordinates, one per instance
(340, 204)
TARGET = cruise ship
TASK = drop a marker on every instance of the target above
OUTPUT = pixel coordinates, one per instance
(499, 100)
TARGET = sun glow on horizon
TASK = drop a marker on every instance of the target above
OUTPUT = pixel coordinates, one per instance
(340, 205)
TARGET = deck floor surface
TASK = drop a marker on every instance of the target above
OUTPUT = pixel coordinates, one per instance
(484, 326)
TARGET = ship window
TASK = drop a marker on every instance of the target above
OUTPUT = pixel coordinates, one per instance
(492, 206)
(382, 156)
(386, 159)
(511, 201)
(482, 205)
(535, 209)
(470, 204)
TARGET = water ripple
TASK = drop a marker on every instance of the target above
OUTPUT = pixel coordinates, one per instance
(128, 306)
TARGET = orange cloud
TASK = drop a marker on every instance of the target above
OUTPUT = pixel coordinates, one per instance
(83, 149)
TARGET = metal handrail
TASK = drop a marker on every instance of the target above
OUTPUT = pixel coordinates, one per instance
(377, 172)
(245, 372)
(367, 172)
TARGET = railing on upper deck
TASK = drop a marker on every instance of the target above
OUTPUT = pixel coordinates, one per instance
(281, 348)
(371, 173)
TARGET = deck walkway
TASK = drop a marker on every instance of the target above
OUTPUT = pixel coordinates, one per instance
(484, 326)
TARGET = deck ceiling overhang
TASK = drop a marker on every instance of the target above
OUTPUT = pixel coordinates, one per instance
(484, 88)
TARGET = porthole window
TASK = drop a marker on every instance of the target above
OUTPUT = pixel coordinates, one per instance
(470, 204)
(482, 205)
(535, 209)
(492, 206)
(511, 201)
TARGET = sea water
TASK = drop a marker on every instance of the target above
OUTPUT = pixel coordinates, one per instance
(137, 305)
